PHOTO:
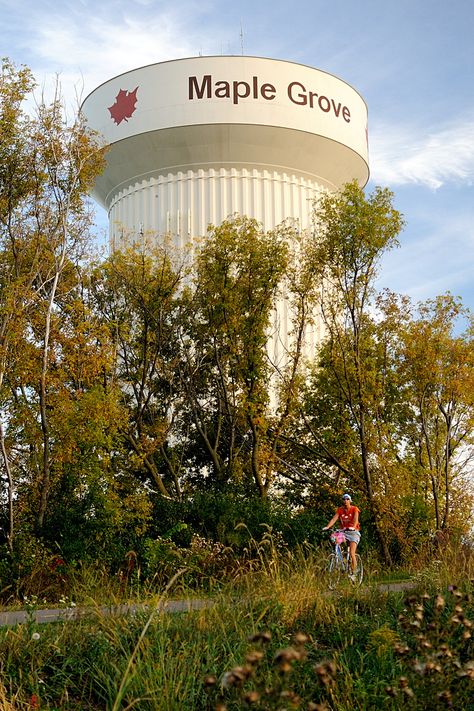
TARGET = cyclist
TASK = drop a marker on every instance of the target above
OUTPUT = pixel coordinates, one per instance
(349, 518)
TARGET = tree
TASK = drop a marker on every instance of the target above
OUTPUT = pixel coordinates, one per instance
(139, 295)
(226, 372)
(352, 232)
(47, 171)
(437, 364)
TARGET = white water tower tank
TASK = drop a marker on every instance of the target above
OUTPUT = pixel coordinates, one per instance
(193, 141)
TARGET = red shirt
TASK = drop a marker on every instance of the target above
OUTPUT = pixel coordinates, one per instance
(347, 517)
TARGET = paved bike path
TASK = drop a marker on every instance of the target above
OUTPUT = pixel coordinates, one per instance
(76, 613)
(8, 619)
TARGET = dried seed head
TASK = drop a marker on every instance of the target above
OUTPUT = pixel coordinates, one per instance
(327, 667)
(312, 706)
(439, 602)
(408, 692)
(445, 697)
(468, 670)
(291, 696)
(254, 657)
(401, 649)
(210, 681)
(300, 638)
(262, 637)
(287, 656)
(242, 673)
(252, 697)
(235, 677)
(228, 680)
(390, 691)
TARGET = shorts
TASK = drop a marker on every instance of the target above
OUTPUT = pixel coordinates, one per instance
(352, 536)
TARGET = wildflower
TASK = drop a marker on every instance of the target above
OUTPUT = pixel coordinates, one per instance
(56, 563)
(35, 636)
(34, 701)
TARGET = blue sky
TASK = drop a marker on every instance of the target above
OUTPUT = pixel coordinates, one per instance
(412, 61)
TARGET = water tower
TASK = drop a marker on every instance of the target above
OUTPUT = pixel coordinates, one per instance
(195, 140)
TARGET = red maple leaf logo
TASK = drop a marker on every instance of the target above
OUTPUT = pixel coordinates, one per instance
(124, 105)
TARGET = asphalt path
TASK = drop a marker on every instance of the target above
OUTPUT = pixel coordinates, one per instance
(65, 614)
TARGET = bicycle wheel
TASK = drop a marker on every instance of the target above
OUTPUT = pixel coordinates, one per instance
(334, 571)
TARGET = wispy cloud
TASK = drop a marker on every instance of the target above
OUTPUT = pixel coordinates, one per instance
(436, 254)
(406, 155)
(86, 44)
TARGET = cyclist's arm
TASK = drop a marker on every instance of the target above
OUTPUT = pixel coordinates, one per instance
(331, 522)
(356, 519)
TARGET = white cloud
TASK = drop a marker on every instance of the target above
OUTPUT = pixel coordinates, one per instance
(86, 44)
(404, 155)
(436, 255)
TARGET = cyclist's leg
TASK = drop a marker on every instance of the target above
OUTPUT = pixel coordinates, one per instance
(352, 551)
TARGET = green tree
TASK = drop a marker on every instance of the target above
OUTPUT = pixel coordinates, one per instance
(352, 232)
(226, 373)
(437, 365)
(47, 171)
(139, 295)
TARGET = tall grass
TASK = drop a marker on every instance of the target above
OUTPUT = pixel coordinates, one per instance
(275, 638)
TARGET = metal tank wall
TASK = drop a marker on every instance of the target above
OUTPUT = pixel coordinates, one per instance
(184, 204)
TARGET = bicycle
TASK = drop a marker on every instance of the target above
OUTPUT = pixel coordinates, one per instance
(339, 563)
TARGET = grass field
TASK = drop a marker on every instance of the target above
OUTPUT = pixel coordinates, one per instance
(273, 639)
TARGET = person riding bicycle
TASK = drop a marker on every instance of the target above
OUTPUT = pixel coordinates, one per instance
(349, 518)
